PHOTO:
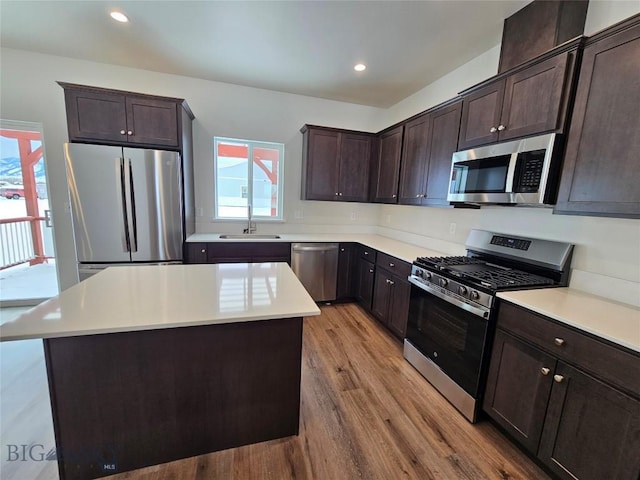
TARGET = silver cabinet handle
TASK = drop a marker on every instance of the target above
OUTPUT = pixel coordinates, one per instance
(129, 132)
(122, 132)
(336, 194)
(493, 130)
(342, 249)
(418, 196)
(366, 253)
(340, 194)
(501, 128)
(558, 378)
(559, 341)
(392, 265)
(391, 282)
(394, 195)
(545, 371)
(370, 270)
(203, 251)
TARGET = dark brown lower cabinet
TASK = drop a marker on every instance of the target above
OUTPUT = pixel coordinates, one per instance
(391, 301)
(364, 282)
(580, 426)
(344, 282)
(591, 431)
(237, 252)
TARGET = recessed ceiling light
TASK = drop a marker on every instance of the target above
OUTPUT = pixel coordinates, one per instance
(119, 16)
(360, 67)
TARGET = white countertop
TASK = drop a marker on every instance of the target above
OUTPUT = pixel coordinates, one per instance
(604, 318)
(395, 248)
(122, 299)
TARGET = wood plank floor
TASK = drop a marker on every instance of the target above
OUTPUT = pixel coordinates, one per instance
(365, 414)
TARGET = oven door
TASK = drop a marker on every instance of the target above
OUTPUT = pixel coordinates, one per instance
(449, 335)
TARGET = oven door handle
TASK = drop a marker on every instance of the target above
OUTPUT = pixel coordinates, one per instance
(480, 312)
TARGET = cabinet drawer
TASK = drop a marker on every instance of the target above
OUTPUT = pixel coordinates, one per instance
(369, 254)
(612, 364)
(392, 264)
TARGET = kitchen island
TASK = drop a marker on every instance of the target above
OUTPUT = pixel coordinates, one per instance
(150, 364)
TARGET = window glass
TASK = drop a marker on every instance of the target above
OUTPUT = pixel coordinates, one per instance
(248, 174)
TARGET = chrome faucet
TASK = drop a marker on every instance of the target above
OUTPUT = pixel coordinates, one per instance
(251, 227)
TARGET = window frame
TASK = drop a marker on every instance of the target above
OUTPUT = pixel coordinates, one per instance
(252, 144)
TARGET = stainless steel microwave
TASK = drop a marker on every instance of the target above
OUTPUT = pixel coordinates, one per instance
(518, 172)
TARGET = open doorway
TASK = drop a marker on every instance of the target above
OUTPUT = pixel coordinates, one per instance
(28, 272)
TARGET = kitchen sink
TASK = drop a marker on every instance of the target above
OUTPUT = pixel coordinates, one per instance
(248, 236)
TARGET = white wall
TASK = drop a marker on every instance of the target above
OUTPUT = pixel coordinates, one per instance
(29, 93)
(607, 255)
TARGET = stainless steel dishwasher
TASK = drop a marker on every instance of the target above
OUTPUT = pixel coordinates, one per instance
(316, 266)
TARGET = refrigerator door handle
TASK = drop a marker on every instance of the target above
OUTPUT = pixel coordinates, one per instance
(125, 216)
(132, 195)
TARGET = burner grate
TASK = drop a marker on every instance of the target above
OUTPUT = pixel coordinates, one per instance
(499, 278)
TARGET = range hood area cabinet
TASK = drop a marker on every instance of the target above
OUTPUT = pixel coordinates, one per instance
(602, 159)
(430, 141)
(335, 164)
(387, 166)
(531, 100)
(114, 117)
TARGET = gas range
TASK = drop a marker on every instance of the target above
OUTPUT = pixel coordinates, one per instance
(451, 318)
(495, 262)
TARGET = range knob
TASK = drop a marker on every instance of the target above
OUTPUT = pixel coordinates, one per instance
(444, 282)
(419, 274)
(474, 295)
(462, 290)
(427, 275)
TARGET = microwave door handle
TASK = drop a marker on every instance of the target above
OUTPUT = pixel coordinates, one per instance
(508, 188)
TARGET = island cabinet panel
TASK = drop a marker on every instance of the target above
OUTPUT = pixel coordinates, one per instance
(571, 399)
(387, 171)
(123, 401)
(529, 101)
(601, 161)
(345, 280)
(336, 164)
(115, 117)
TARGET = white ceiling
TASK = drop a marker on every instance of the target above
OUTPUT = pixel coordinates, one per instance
(304, 47)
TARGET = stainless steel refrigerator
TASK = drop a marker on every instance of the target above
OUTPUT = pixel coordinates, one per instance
(126, 205)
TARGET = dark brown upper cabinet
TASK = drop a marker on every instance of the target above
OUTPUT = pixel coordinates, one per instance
(335, 164)
(387, 171)
(601, 164)
(538, 27)
(115, 117)
(429, 143)
(528, 101)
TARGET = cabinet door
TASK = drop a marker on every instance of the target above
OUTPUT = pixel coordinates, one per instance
(481, 116)
(415, 160)
(321, 165)
(346, 255)
(195, 253)
(381, 295)
(399, 306)
(152, 122)
(355, 161)
(388, 171)
(532, 99)
(520, 379)
(592, 431)
(366, 275)
(445, 126)
(604, 139)
(96, 116)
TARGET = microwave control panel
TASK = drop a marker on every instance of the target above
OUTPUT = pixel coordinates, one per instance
(529, 171)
